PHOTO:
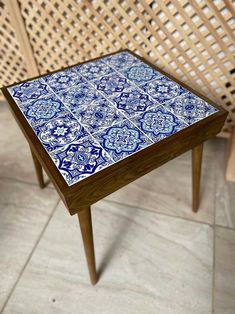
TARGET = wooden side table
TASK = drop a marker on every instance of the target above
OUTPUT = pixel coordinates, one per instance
(99, 125)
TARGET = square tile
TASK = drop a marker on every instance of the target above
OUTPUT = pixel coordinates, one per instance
(63, 79)
(122, 139)
(163, 89)
(99, 115)
(190, 108)
(121, 60)
(43, 109)
(80, 159)
(112, 84)
(132, 101)
(59, 132)
(158, 123)
(82, 94)
(94, 69)
(27, 91)
(141, 73)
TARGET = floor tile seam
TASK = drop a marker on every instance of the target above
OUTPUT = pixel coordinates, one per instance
(29, 257)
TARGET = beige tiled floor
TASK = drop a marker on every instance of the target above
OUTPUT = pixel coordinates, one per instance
(153, 254)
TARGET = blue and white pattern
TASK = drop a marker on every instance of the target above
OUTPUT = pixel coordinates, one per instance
(80, 160)
(111, 84)
(93, 70)
(121, 60)
(158, 123)
(82, 94)
(141, 73)
(99, 115)
(27, 91)
(91, 116)
(43, 109)
(190, 108)
(122, 139)
(163, 89)
(60, 132)
(132, 101)
(63, 79)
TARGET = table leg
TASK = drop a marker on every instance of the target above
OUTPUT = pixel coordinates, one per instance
(196, 174)
(38, 169)
(85, 221)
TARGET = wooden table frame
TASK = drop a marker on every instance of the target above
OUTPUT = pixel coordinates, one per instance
(79, 197)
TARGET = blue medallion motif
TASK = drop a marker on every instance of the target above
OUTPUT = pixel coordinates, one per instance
(190, 108)
(80, 160)
(93, 70)
(141, 73)
(60, 132)
(158, 123)
(121, 60)
(43, 109)
(132, 101)
(63, 79)
(122, 140)
(82, 94)
(163, 89)
(27, 91)
(100, 114)
(111, 84)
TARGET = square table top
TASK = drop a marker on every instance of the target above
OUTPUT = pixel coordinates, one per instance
(93, 115)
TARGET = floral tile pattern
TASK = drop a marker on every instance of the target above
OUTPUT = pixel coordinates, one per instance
(93, 70)
(27, 91)
(43, 109)
(163, 89)
(190, 107)
(79, 160)
(141, 73)
(133, 101)
(60, 132)
(92, 115)
(82, 94)
(158, 123)
(63, 79)
(100, 114)
(122, 139)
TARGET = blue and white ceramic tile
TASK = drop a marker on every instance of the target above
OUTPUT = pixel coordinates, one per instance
(141, 73)
(82, 94)
(27, 91)
(132, 101)
(163, 89)
(63, 79)
(111, 84)
(122, 139)
(79, 160)
(99, 115)
(158, 123)
(60, 132)
(191, 108)
(93, 70)
(89, 116)
(43, 109)
(121, 60)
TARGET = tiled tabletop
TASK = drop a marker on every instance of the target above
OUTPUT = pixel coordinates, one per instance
(93, 115)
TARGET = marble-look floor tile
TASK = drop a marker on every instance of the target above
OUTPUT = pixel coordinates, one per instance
(167, 189)
(225, 191)
(224, 298)
(24, 210)
(150, 264)
(15, 156)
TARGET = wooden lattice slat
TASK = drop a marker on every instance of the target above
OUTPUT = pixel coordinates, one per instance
(192, 40)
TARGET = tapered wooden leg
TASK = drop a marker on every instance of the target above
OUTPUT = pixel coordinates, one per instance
(38, 169)
(196, 174)
(84, 217)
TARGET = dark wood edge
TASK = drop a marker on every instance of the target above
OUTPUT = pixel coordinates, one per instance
(47, 163)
